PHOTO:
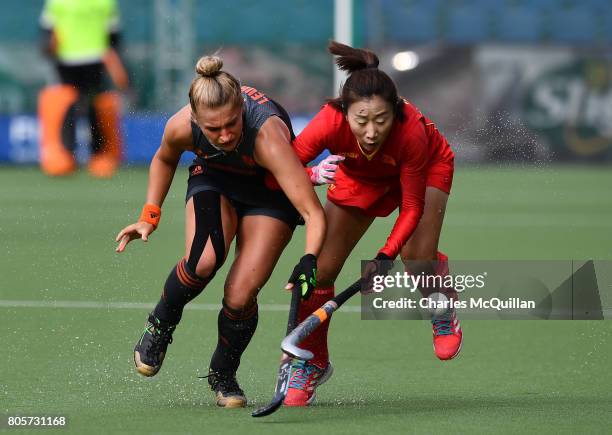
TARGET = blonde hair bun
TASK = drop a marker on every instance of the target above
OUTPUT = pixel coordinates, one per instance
(209, 66)
(212, 87)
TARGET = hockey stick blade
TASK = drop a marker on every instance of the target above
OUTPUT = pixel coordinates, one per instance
(282, 384)
(284, 371)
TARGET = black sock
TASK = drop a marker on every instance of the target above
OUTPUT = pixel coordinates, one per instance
(236, 328)
(181, 287)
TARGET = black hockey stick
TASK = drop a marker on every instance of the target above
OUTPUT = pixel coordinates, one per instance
(284, 371)
(290, 343)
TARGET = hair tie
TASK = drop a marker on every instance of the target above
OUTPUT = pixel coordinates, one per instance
(371, 66)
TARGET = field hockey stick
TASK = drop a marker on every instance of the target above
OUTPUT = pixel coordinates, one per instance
(284, 371)
(290, 343)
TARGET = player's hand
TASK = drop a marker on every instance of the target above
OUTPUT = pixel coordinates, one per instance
(139, 230)
(325, 171)
(380, 265)
(304, 275)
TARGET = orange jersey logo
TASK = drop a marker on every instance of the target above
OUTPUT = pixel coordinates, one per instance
(255, 95)
(197, 170)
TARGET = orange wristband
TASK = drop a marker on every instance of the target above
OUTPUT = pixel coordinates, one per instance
(151, 214)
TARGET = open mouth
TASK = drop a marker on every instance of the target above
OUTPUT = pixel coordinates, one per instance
(370, 145)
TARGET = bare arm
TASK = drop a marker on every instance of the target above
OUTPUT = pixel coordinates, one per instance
(116, 69)
(273, 151)
(176, 140)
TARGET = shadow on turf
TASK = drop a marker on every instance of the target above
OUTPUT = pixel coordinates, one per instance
(421, 405)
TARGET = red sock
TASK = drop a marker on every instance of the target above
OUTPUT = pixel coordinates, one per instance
(442, 264)
(317, 341)
(443, 270)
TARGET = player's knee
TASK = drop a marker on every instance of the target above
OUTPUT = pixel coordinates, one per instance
(208, 266)
(185, 280)
(420, 255)
(240, 303)
(326, 275)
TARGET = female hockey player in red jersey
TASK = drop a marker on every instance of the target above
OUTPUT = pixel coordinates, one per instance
(391, 156)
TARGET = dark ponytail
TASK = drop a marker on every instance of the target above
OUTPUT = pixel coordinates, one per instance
(365, 80)
(352, 59)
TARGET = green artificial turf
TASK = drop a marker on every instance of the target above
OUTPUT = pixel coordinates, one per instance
(57, 245)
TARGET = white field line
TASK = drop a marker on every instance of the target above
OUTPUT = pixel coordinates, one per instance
(517, 220)
(148, 306)
(136, 305)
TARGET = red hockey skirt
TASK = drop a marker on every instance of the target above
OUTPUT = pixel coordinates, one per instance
(381, 200)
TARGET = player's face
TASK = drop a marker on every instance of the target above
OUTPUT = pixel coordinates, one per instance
(370, 120)
(222, 126)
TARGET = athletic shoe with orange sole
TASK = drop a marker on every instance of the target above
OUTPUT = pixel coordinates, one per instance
(447, 335)
(305, 378)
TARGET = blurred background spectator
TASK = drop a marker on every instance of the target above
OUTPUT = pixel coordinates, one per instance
(81, 39)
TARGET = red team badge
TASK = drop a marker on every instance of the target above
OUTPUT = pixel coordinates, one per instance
(197, 170)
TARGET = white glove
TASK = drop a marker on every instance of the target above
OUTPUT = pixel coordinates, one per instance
(325, 171)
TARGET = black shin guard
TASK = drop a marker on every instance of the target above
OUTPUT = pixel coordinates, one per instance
(236, 328)
(181, 287)
(183, 284)
(207, 210)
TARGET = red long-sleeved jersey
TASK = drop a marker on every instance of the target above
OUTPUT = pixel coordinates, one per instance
(396, 174)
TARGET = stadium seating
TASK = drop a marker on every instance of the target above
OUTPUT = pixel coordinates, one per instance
(513, 21)
(410, 21)
(519, 24)
(468, 24)
(398, 21)
(224, 22)
(21, 23)
(573, 25)
(607, 25)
